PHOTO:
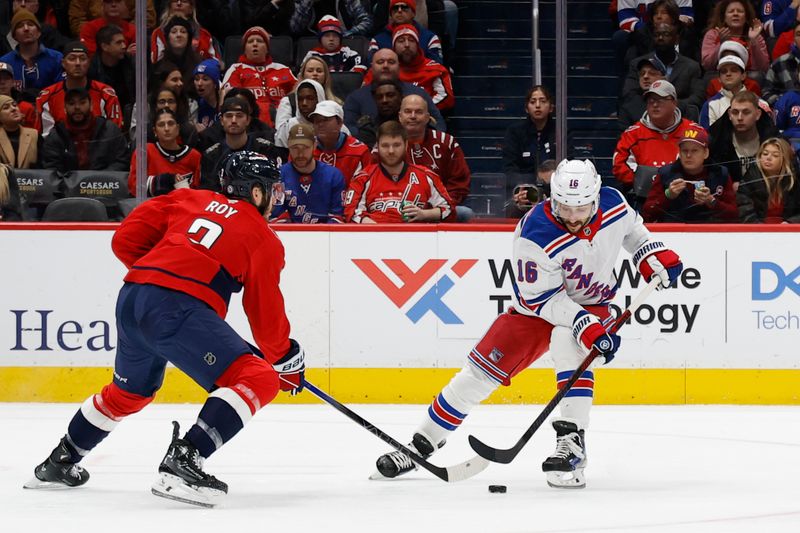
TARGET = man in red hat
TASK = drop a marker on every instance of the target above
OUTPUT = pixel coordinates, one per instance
(403, 12)
(688, 190)
(269, 81)
(415, 68)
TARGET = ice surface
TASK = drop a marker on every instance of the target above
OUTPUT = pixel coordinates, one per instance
(304, 468)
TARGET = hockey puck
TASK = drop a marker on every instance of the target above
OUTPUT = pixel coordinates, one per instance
(501, 489)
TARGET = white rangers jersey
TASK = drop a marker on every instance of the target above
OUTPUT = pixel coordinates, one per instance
(556, 272)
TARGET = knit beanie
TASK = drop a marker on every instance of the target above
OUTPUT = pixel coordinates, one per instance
(410, 3)
(21, 16)
(257, 30)
(179, 21)
(209, 67)
(404, 29)
(329, 23)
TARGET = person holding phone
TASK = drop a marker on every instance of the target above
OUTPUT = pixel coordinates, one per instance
(688, 190)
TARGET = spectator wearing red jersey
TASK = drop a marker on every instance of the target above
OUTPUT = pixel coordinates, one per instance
(394, 191)
(652, 142)
(437, 151)
(19, 146)
(334, 146)
(415, 68)
(170, 165)
(202, 41)
(8, 88)
(50, 105)
(269, 81)
(84, 141)
(112, 14)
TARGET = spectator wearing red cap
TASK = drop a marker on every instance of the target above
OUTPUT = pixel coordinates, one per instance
(402, 12)
(732, 76)
(353, 12)
(112, 14)
(652, 142)
(338, 58)
(689, 190)
(50, 105)
(267, 80)
(202, 41)
(415, 68)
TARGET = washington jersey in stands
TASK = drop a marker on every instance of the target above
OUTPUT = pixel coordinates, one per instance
(50, 106)
(268, 83)
(558, 273)
(377, 195)
(185, 163)
(315, 198)
(350, 156)
(440, 152)
(208, 246)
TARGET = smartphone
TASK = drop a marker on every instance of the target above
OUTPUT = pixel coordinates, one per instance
(531, 192)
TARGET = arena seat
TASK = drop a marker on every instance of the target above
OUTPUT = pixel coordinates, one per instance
(109, 187)
(75, 210)
(345, 82)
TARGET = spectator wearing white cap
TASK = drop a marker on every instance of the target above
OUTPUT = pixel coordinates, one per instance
(652, 142)
(334, 146)
(732, 76)
(737, 48)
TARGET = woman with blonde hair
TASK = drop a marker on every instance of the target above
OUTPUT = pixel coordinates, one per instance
(769, 192)
(10, 209)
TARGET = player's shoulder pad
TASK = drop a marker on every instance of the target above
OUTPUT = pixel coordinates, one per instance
(538, 228)
(610, 198)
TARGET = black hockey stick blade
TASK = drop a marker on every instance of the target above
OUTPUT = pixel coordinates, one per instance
(451, 474)
(505, 456)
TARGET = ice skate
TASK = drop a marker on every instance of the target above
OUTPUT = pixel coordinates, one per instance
(181, 477)
(397, 463)
(564, 468)
(58, 471)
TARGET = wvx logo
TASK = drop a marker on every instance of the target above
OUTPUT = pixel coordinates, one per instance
(411, 283)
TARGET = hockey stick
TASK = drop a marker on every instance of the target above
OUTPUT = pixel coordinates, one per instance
(451, 474)
(505, 456)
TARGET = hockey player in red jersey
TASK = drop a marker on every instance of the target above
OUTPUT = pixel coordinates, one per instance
(186, 252)
(394, 191)
(565, 251)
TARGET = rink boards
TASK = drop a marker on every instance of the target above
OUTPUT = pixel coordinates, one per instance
(387, 316)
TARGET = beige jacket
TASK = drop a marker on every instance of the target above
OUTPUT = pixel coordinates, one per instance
(28, 154)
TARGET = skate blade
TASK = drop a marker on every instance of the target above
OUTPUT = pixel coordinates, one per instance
(36, 483)
(566, 480)
(174, 488)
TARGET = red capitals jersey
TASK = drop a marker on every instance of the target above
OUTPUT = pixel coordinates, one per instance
(50, 106)
(643, 146)
(350, 158)
(202, 43)
(186, 164)
(440, 152)
(208, 246)
(269, 83)
(376, 195)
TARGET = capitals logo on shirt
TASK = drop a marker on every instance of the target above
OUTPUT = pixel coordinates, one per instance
(406, 295)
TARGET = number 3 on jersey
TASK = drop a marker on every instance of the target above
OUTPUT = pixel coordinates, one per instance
(204, 232)
(526, 271)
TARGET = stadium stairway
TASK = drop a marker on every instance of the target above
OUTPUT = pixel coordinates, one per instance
(493, 71)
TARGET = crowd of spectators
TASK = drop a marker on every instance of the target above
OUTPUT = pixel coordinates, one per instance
(372, 81)
(709, 110)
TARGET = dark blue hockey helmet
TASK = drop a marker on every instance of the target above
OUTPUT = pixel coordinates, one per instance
(244, 170)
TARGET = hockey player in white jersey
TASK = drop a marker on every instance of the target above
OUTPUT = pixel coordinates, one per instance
(564, 254)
